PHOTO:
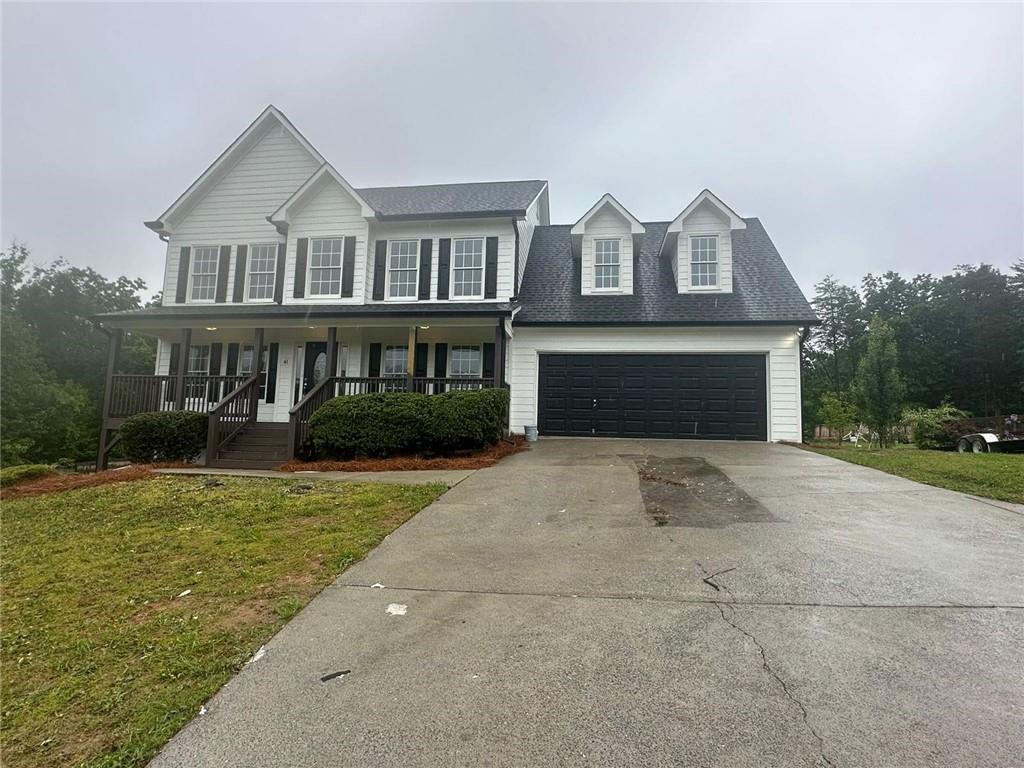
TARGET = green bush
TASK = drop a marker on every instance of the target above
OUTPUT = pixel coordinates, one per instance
(937, 428)
(390, 423)
(164, 436)
(12, 475)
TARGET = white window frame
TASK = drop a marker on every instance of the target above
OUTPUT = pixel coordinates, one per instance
(618, 265)
(309, 268)
(192, 389)
(416, 271)
(263, 373)
(192, 273)
(483, 270)
(717, 262)
(384, 359)
(451, 361)
(248, 274)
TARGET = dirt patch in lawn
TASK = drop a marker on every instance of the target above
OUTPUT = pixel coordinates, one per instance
(70, 482)
(690, 492)
(487, 457)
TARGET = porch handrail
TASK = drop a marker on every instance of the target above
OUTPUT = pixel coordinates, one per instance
(298, 416)
(231, 415)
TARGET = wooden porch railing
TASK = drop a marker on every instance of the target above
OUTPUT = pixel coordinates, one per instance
(130, 394)
(231, 415)
(333, 386)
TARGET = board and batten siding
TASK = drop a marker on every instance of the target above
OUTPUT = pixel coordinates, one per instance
(781, 344)
(705, 220)
(234, 212)
(435, 230)
(329, 212)
(607, 224)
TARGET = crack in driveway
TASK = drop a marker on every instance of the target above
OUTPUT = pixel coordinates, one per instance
(769, 670)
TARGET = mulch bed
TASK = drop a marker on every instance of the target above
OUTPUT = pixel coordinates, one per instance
(487, 457)
(70, 482)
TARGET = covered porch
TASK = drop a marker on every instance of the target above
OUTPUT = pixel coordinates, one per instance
(209, 364)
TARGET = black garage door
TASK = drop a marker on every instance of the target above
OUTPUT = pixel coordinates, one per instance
(715, 397)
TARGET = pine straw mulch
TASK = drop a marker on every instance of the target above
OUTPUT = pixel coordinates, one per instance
(487, 457)
(55, 483)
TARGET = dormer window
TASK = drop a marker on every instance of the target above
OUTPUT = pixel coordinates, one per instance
(606, 264)
(704, 261)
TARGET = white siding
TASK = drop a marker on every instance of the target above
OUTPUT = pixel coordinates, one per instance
(535, 215)
(781, 344)
(607, 223)
(235, 210)
(435, 230)
(705, 220)
(330, 212)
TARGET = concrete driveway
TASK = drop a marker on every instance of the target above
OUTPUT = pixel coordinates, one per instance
(654, 603)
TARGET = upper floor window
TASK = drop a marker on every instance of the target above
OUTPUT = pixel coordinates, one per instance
(403, 268)
(606, 263)
(262, 272)
(395, 361)
(466, 361)
(325, 266)
(204, 273)
(468, 267)
(704, 261)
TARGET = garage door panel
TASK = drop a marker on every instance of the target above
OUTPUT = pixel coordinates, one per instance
(676, 396)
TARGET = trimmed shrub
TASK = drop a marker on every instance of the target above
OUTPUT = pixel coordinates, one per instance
(390, 423)
(937, 428)
(12, 475)
(164, 436)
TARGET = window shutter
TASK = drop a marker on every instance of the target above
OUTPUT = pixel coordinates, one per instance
(491, 269)
(379, 269)
(374, 361)
(488, 362)
(181, 289)
(241, 254)
(419, 366)
(232, 367)
(221, 294)
(444, 257)
(426, 246)
(172, 371)
(271, 373)
(299, 284)
(348, 267)
(440, 361)
(213, 394)
(279, 277)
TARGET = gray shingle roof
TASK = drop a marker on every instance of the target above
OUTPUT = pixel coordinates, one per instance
(763, 289)
(270, 311)
(459, 200)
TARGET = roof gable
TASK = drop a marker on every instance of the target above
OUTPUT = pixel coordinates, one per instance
(324, 174)
(707, 197)
(635, 227)
(270, 118)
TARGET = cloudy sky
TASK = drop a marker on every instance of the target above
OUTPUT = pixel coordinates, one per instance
(866, 138)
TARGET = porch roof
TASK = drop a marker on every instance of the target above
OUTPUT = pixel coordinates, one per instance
(272, 312)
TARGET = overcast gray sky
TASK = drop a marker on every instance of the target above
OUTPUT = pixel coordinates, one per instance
(866, 138)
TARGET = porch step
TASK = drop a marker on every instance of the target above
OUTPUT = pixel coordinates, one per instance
(260, 446)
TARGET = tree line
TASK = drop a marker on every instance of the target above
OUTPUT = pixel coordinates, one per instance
(957, 338)
(54, 357)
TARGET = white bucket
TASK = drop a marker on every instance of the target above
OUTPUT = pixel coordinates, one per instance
(531, 434)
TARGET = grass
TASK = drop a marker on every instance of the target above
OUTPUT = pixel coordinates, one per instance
(21, 472)
(991, 475)
(104, 655)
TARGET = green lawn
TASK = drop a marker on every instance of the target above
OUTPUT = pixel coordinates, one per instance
(992, 475)
(103, 658)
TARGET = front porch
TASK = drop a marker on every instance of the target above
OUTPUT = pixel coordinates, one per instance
(214, 369)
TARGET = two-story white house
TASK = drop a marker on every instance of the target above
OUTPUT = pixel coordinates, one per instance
(285, 285)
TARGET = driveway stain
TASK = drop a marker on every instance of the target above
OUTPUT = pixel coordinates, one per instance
(690, 492)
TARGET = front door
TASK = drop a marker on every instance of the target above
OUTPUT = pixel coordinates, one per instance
(314, 367)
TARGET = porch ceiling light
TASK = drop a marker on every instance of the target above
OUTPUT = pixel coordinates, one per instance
(424, 327)
(211, 328)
